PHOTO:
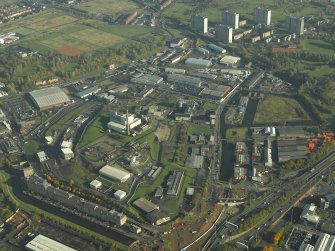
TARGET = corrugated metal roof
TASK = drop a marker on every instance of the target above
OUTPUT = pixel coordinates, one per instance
(49, 97)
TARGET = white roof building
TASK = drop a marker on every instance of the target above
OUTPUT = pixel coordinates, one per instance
(229, 60)
(66, 144)
(67, 153)
(95, 184)
(42, 156)
(119, 122)
(43, 243)
(119, 194)
(49, 140)
(309, 213)
(114, 173)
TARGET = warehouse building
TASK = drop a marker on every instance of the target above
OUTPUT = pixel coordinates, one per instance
(147, 79)
(49, 98)
(43, 243)
(157, 217)
(309, 214)
(145, 205)
(291, 149)
(88, 92)
(175, 182)
(184, 80)
(198, 62)
(230, 61)
(115, 173)
(214, 95)
(293, 133)
(216, 48)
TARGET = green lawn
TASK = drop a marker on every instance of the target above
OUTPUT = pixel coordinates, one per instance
(199, 129)
(237, 133)
(317, 46)
(279, 109)
(210, 106)
(32, 147)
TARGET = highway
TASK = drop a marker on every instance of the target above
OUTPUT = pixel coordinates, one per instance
(305, 182)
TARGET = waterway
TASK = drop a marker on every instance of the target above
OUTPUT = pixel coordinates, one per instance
(110, 233)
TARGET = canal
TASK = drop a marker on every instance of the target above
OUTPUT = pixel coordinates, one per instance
(16, 184)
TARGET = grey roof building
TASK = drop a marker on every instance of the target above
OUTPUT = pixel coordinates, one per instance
(48, 98)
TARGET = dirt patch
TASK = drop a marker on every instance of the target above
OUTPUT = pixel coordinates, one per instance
(68, 50)
(162, 132)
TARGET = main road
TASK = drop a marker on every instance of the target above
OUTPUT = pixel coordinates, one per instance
(304, 183)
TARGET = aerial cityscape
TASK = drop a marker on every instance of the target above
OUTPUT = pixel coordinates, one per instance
(168, 125)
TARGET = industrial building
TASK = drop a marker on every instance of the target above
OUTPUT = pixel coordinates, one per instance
(180, 79)
(291, 133)
(262, 16)
(295, 25)
(291, 149)
(230, 61)
(231, 19)
(119, 194)
(96, 184)
(157, 217)
(215, 92)
(123, 123)
(67, 153)
(198, 62)
(224, 34)
(183, 111)
(309, 214)
(174, 183)
(145, 205)
(87, 92)
(240, 173)
(216, 48)
(195, 161)
(203, 51)
(43, 243)
(147, 79)
(175, 70)
(114, 173)
(268, 157)
(199, 24)
(40, 186)
(49, 98)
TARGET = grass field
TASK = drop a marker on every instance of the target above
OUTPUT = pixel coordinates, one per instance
(238, 133)
(317, 46)
(199, 129)
(108, 7)
(277, 109)
(183, 11)
(52, 29)
(210, 106)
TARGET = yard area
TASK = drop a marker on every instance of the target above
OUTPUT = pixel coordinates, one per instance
(275, 109)
(108, 7)
(237, 133)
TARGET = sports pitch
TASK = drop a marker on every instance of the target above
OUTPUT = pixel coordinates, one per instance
(54, 30)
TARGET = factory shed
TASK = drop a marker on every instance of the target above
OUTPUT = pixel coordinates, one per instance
(114, 173)
(198, 62)
(43, 243)
(229, 60)
(145, 205)
(88, 92)
(49, 98)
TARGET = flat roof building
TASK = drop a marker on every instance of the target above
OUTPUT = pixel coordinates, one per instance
(175, 182)
(42, 156)
(43, 243)
(67, 153)
(157, 217)
(147, 79)
(88, 92)
(309, 214)
(115, 173)
(183, 79)
(295, 25)
(49, 98)
(119, 194)
(145, 205)
(216, 48)
(96, 184)
(119, 122)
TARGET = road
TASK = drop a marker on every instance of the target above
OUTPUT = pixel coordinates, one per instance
(306, 181)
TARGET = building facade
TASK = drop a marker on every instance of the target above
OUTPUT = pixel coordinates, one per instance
(262, 16)
(224, 33)
(231, 19)
(295, 25)
(199, 24)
